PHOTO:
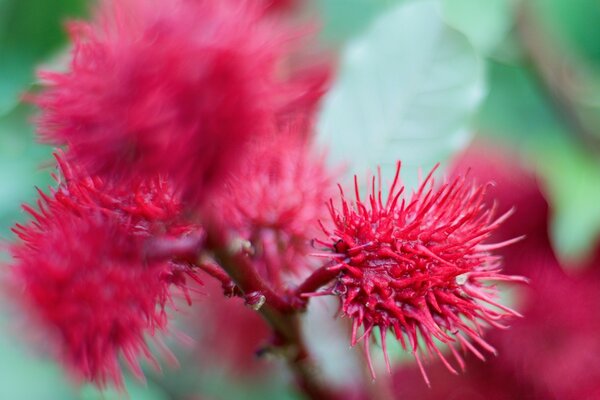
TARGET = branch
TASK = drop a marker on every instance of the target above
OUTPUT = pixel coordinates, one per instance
(317, 279)
(230, 289)
(239, 267)
(280, 312)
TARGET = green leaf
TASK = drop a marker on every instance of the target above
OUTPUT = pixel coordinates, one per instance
(133, 388)
(574, 24)
(572, 182)
(21, 166)
(25, 374)
(485, 23)
(343, 19)
(30, 30)
(406, 91)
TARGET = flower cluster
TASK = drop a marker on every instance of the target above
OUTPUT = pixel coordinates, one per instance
(187, 133)
(418, 266)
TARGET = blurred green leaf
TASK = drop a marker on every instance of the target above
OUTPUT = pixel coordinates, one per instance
(572, 180)
(21, 166)
(30, 30)
(485, 23)
(515, 108)
(24, 374)
(134, 389)
(575, 23)
(406, 91)
(343, 19)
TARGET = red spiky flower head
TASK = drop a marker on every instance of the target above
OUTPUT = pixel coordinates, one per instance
(173, 87)
(418, 267)
(82, 272)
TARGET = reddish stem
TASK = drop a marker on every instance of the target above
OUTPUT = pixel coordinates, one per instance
(280, 312)
(317, 280)
(230, 289)
(239, 267)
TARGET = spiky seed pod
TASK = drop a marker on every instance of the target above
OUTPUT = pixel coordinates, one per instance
(418, 267)
(81, 271)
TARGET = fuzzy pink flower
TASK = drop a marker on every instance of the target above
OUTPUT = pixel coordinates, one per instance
(170, 87)
(417, 267)
(82, 271)
(276, 201)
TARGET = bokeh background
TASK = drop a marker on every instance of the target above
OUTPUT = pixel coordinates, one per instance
(507, 88)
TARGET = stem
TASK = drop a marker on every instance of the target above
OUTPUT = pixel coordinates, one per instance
(239, 267)
(237, 275)
(317, 279)
(230, 289)
(280, 312)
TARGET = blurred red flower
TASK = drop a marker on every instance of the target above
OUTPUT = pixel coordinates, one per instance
(173, 87)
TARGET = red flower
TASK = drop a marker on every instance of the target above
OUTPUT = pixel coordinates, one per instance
(81, 268)
(417, 267)
(276, 201)
(170, 87)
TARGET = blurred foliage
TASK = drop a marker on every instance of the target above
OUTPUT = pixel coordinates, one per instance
(21, 161)
(389, 61)
(485, 23)
(575, 24)
(344, 19)
(398, 99)
(30, 31)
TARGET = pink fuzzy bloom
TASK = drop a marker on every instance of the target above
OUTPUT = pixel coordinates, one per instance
(417, 267)
(276, 201)
(171, 87)
(82, 271)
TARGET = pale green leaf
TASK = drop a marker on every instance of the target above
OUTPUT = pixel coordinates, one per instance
(485, 23)
(572, 182)
(343, 19)
(406, 91)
